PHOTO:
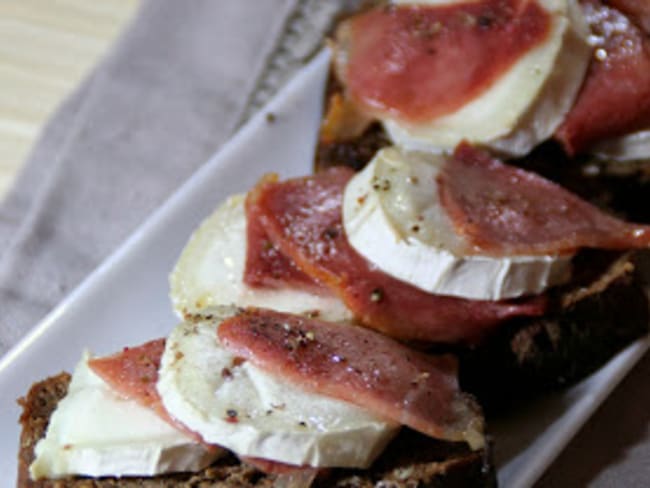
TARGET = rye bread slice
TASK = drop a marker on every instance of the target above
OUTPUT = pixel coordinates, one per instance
(411, 460)
(602, 311)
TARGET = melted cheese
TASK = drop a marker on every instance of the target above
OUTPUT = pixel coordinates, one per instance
(210, 272)
(393, 217)
(254, 414)
(94, 432)
(525, 106)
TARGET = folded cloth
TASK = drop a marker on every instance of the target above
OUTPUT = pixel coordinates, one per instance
(181, 79)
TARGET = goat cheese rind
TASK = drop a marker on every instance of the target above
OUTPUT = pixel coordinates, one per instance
(393, 217)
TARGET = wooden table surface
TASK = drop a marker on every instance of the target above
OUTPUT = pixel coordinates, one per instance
(46, 48)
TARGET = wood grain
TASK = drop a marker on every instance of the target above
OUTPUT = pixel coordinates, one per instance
(46, 48)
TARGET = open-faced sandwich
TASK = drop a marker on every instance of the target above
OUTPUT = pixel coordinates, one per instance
(348, 328)
(253, 397)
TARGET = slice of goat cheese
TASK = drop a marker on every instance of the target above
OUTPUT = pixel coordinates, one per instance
(232, 403)
(393, 216)
(210, 272)
(95, 432)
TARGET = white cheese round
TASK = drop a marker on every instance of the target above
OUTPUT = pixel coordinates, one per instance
(210, 272)
(254, 414)
(631, 147)
(393, 217)
(525, 106)
(95, 432)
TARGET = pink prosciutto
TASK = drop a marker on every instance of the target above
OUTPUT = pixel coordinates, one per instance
(133, 373)
(417, 63)
(359, 366)
(615, 97)
(266, 266)
(503, 210)
(303, 218)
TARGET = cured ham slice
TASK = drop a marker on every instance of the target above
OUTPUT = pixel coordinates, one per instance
(407, 386)
(503, 210)
(615, 97)
(422, 62)
(133, 373)
(267, 267)
(303, 217)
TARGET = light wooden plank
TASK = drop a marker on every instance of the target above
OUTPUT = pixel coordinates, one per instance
(46, 48)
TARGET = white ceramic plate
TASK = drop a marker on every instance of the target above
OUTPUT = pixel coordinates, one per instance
(125, 301)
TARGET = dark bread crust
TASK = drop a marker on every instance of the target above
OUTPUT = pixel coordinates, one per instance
(619, 188)
(355, 153)
(412, 460)
(591, 322)
(37, 406)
